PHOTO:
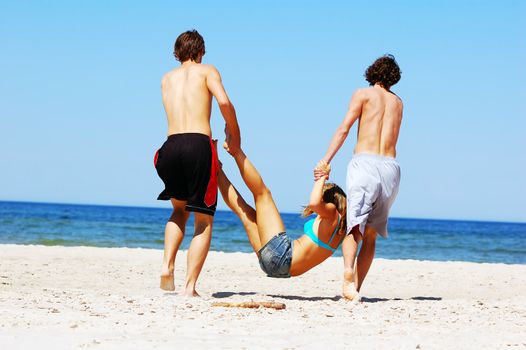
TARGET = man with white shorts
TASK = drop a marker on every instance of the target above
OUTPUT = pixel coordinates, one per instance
(373, 174)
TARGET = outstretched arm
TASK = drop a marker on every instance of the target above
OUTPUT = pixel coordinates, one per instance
(316, 203)
(354, 111)
(215, 86)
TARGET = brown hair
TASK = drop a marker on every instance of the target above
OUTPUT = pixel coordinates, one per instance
(384, 71)
(188, 46)
(333, 193)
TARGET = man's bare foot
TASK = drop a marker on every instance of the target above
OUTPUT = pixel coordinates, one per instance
(349, 291)
(167, 283)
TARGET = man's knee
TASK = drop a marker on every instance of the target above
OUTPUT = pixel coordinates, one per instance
(179, 214)
(370, 234)
(203, 223)
(356, 234)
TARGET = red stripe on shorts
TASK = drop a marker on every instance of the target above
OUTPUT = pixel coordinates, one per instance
(211, 189)
(155, 158)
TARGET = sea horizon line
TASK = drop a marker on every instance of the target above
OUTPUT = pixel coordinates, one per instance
(226, 210)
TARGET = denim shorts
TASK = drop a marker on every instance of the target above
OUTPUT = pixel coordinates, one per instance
(276, 256)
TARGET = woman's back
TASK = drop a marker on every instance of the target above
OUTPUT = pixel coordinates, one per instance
(319, 242)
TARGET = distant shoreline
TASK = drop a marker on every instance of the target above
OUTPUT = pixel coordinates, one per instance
(225, 210)
(53, 224)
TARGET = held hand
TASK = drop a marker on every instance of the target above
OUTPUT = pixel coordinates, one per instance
(226, 144)
(230, 145)
(319, 174)
(322, 169)
(323, 166)
(227, 147)
(232, 148)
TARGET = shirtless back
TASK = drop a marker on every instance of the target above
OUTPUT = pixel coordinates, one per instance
(379, 122)
(380, 115)
(187, 161)
(373, 174)
(187, 98)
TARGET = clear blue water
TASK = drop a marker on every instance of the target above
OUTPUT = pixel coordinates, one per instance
(110, 226)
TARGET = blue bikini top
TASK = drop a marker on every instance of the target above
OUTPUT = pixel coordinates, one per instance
(309, 231)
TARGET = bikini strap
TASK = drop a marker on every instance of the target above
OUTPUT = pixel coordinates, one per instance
(336, 229)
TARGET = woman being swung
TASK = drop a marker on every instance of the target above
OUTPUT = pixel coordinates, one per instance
(278, 255)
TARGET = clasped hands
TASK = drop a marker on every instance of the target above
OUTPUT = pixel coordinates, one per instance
(228, 144)
(322, 169)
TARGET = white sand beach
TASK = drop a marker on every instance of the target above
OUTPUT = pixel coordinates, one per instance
(108, 298)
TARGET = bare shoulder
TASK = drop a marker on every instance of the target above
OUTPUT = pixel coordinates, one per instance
(169, 75)
(209, 69)
(366, 92)
(398, 100)
(166, 78)
(361, 94)
(325, 210)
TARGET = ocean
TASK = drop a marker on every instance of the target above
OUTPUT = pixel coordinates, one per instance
(136, 227)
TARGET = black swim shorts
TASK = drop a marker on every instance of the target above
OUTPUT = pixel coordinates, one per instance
(187, 164)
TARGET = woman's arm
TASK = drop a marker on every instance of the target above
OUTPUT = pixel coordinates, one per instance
(316, 202)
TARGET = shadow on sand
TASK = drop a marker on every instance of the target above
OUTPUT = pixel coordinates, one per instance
(288, 297)
(376, 300)
(220, 295)
(296, 297)
(229, 294)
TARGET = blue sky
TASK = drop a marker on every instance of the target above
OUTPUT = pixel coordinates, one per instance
(81, 113)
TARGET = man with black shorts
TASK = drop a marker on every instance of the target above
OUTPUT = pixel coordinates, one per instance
(187, 162)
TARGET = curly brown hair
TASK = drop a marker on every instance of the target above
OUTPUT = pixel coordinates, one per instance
(384, 71)
(188, 46)
(334, 194)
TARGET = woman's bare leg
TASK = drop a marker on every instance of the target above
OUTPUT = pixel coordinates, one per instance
(237, 204)
(268, 219)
